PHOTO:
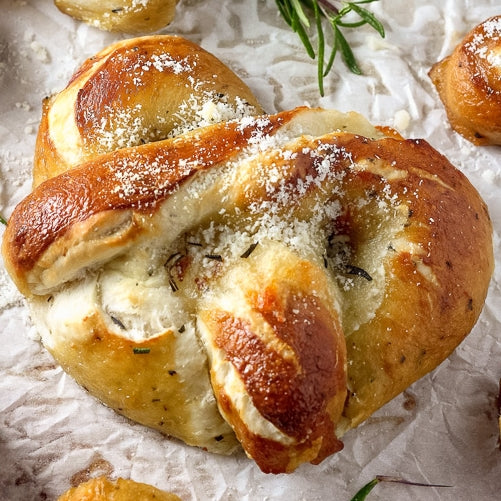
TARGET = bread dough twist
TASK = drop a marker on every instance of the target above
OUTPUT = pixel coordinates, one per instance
(274, 278)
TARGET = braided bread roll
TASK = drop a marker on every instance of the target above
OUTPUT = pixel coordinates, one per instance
(469, 84)
(315, 266)
(129, 16)
(268, 281)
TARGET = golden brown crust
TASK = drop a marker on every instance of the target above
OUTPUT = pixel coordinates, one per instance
(436, 277)
(127, 16)
(468, 83)
(300, 390)
(383, 234)
(126, 180)
(449, 220)
(143, 380)
(103, 489)
(133, 92)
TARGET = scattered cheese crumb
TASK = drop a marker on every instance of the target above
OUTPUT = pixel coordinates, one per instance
(24, 106)
(490, 176)
(40, 52)
(401, 120)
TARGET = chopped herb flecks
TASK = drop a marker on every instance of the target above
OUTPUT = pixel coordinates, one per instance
(140, 351)
(355, 270)
(215, 257)
(249, 251)
(118, 322)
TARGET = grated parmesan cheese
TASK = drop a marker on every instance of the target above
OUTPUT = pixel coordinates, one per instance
(480, 47)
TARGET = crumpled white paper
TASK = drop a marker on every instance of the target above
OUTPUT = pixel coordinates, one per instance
(442, 430)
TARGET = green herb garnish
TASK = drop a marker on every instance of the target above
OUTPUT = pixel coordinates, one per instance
(334, 14)
(367, 488)
(173, 285)
(356, 270)
(140, 351)
(118, 322)
(215, 257)
(250, 250)
(3, 220)
(170, 264)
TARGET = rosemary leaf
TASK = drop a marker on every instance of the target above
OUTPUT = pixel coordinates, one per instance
(299, 29)
(3, 220)
(346, 51)
(332, 13)
(362, 494)
(369, 18)
(330, 63)
(320, 48)
(296, 5)
(364, 491)
(283, 11)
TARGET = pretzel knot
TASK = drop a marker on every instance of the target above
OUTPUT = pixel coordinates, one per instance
(274, 278)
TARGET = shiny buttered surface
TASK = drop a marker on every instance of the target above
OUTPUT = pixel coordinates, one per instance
(134, 92)
(128, 16)
(268, 281)
(469, 84)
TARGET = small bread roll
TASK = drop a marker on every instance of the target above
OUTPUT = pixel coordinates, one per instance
(469, 84)
(129, 16)
(102, 489)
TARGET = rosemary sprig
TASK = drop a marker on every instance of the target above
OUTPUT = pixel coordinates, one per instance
(334, 13)
(3, 220)
(362, 494)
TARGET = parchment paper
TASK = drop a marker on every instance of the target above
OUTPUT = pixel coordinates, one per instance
(441, 430)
